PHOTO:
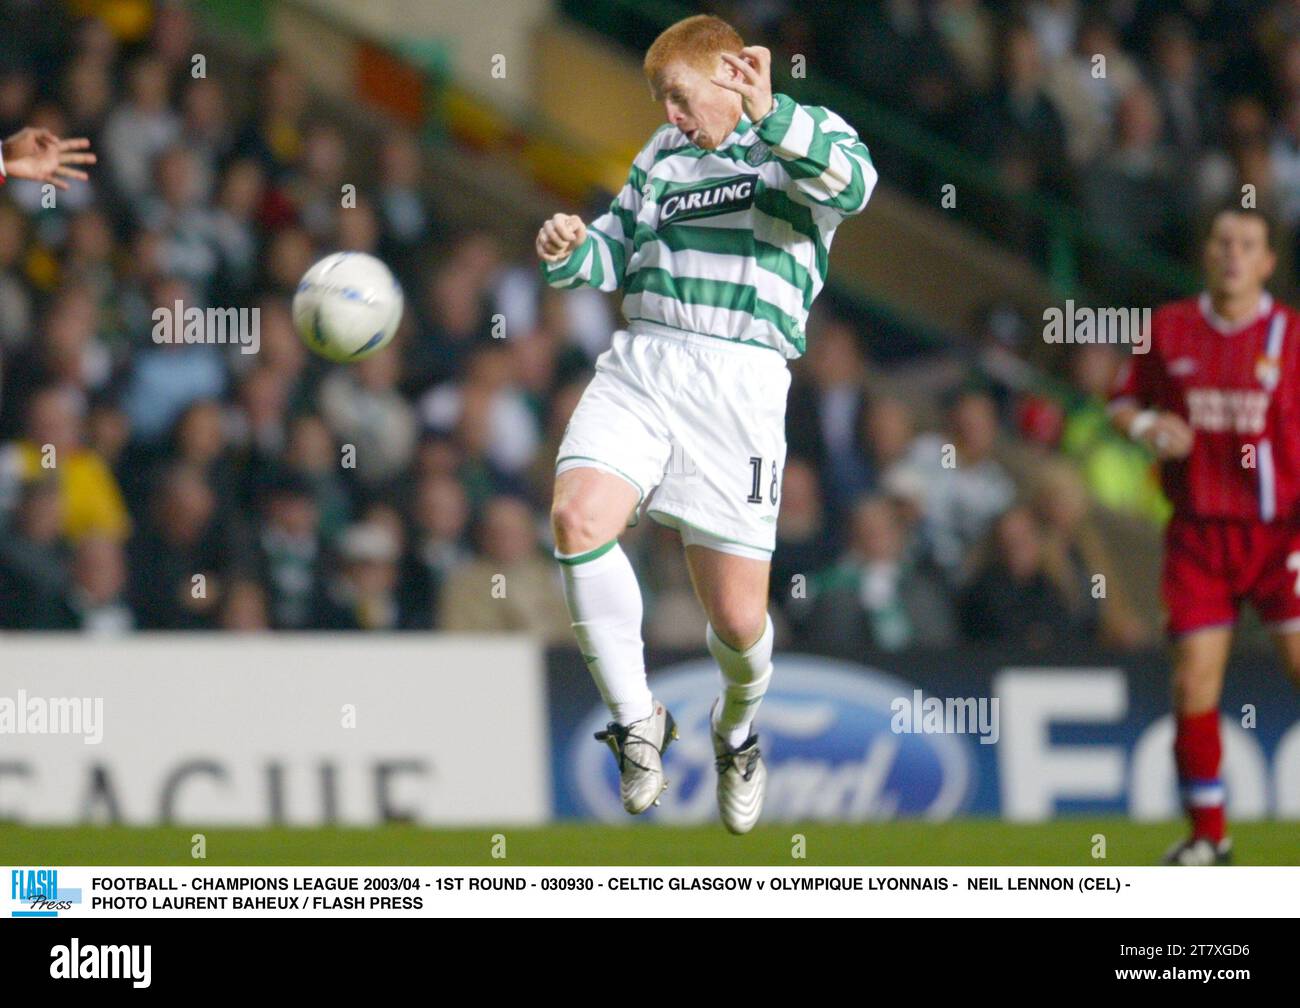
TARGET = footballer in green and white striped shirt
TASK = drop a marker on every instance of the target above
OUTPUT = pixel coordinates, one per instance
(719, 241)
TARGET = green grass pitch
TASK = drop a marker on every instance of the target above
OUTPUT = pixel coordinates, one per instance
(963, 842)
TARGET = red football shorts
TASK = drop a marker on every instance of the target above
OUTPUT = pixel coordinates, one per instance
(1213, 564)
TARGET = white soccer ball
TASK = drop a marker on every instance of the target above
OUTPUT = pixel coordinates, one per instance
(347, 306)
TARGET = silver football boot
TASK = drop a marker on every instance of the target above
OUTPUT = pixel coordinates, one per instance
(639, 748)
(742, 780)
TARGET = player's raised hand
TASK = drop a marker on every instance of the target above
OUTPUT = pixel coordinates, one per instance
(560, 236)
(1170, 436)
(754, 65)
(37, 154)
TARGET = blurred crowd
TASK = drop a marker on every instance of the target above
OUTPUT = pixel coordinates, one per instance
(1144, 114)
(174, 486)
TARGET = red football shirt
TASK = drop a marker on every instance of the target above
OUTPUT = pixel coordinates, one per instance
(1237, 386)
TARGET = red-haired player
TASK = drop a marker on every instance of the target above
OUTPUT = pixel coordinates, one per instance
(1218, 399)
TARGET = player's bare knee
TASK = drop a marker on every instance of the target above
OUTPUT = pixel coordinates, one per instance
(573, 521)
(738, 626)
(1194, 688)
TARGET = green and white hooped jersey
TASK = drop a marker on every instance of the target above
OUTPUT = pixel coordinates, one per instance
(732, 242)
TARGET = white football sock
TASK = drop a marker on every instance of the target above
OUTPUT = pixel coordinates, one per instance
(605, 607)
(745, 677)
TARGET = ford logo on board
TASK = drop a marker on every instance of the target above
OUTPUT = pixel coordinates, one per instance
(824, 728)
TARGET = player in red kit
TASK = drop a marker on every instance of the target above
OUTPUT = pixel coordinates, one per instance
(1217, 397)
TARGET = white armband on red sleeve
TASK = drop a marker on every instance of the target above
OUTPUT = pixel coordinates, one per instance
(1142, 423)
(2, 164)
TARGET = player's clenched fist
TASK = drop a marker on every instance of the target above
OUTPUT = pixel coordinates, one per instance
(559, 236)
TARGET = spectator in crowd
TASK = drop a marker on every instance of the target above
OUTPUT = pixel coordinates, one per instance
(258, 425)
(1018, 595)
(243, 608)
(963, 484)
(1120, 474)
(108, 434)
(34, 559)
(874, 597)
(288, 254)
(1087, 88)
(316, 190)
(87, 95)
(287, 553)
(281, 351)
(824, 414)
(98, 600)
(311, 451)
(363, 407)
(510, 586)
(274, 137)
(969, 34)
(888, 430)
(240, 192)
(1218, 171)
(487, 411)
(17, 309)
(1055, 24)
(200, 442)
(453, 314)
(1001, 335)
(1075, 547)
(176, 561)
(206, 131)
(1020, 128)
(407, 222)
(66, 355)
(540, 477)
(363, 593)
(805, 542)
(438, 546)
(172, 39)
(88, 271)
(140, 129)
(1133, 189)
(1189, 106)
(175, 210)
(165, 377)
(356, 226)
(91, 500)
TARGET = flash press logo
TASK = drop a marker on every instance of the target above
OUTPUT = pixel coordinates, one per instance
(37, 889)
(75, 961)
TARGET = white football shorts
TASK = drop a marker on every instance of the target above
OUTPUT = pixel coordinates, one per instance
(697, 425)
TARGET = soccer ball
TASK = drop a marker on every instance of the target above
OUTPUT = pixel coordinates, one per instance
(347, 306)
